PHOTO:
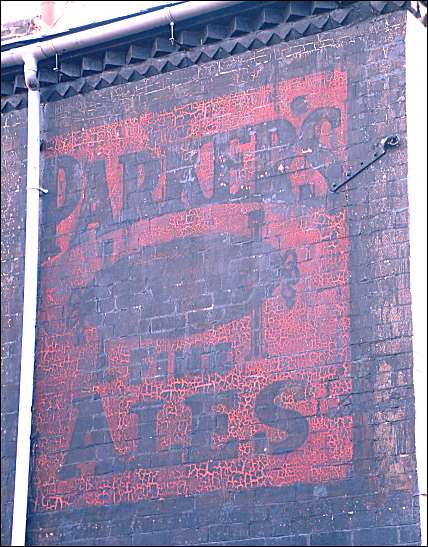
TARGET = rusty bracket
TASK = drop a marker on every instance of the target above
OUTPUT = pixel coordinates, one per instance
(385, 144)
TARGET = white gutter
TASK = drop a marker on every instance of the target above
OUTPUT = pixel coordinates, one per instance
(105, 33)
(416, 113)
(30, 306)
(29, 56)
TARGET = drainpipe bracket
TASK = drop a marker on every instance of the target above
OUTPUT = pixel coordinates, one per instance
(30, 71)
(39, 188)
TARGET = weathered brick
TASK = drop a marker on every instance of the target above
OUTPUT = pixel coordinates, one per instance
(331, 538)
(290, 540)
(410, 534)
(247, 333)
(376, 536)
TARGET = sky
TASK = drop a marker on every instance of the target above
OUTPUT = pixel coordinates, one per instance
(13, 11)
(78, 14)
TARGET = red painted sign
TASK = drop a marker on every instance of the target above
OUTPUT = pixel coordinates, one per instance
(194, 310)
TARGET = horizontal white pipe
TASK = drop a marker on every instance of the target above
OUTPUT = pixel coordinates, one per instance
(110, 31)
(23, 446)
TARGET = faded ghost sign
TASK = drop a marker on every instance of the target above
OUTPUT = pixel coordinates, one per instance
(194, 313)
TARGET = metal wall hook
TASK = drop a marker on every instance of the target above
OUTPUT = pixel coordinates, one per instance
(172, 38)
(387, 143)
(390, 142)
(57, 68)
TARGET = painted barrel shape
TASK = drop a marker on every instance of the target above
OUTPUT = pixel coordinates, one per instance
(186, 286)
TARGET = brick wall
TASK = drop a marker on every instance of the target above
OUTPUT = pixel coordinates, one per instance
(13, 154)
(18, 29)
(224, 346)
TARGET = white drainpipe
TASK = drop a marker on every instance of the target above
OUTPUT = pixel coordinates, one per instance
(29, 56)
(30, 305)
